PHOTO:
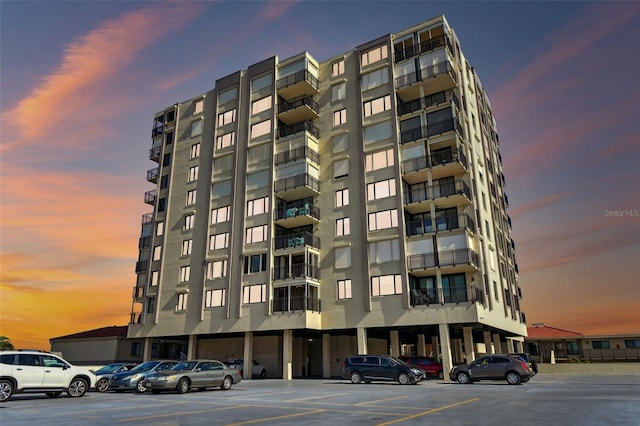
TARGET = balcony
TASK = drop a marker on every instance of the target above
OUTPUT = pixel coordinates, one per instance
(298, 270)
(444, 223)
(297, 214)
(306, 126)
(297, 240)
(297, 187)
(296, 110)
(451, 162)
(142, 267)
(301, 83)
(150, 197)
(154, 153)
(147, 218)
(441, 296)
(296, 154)
(138, 294)
(152, 175)
(412, 135)
(460, 260)
(424, 47)
(157, 130)
(296, 303)
(432, 79)
(144, 243)
(444, 194)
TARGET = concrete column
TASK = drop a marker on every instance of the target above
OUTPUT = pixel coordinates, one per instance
(469, 348)
(146, 349)
(421, 351)
(519, 346)
(487, 343)
(457, 344)
(287, 355)
(496, 343)
(510, 348)
(435, 342)
(553, 356)
(247, 368)
(362, 340)
(326, 355)
(445, 339)
(395, 343)
(192, 347)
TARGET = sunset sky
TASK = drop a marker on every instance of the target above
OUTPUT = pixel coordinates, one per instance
(81, 82)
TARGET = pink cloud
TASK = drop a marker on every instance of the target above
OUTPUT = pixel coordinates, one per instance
(540, 203)
(275, 9)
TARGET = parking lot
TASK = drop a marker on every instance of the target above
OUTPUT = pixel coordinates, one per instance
(546, 399)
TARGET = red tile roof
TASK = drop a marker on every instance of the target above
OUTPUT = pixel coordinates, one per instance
(545, 332)
(113, 331)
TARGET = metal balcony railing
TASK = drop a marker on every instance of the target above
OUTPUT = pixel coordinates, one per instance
(297, 208)
(420, 192)
(151, 196)
(444, 223)
(425, 73)
(297, 270)
(154, 153)
(296, 181)
(443, 258)
(297, 153)
(147, 218)
(302, 75)
(285, 106)
(142, 267)
(444, 126)
(449, 156)
(306, 126)
(296, 303)
(425, 46)
(447, 295)
(296, 240)
(152, 175)
(144, 242)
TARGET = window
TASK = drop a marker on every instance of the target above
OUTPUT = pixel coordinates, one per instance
(136, 348)
(383, 220)
(381, 189)
(221, 189)
(256, 234)
(195, 151)
(254, 293)
(378, 132)
(340, 142)
(219, 241)
(386, 285)
(259, 153)
(632, 343)
(261, 83)
(182, 302)
(375, 79)
(379, 160)
(377, 105)
(261, 128)
(226, 117)
(344, 289)
(191, 197)
(223, 163)
(188, 222)
(227, 96)
(337, 68)
(193, 173)
(261, 105)
(341, 168)
(258, 179)
(220, 214)
(226, 140)
(157, 253)
(487, 229)
(166, 160)
(169, 139)
(164, 182)
(338, 92)
(343, 227)
(162, 204)
(214, 298)
(217, 269)
(186, 247)
(198, 106)
(384, 251)
(339, 117)
(495, 290)
(342, 197)
(374, 55)
(159, 229)
(257, 206)
(196, 128)
(151, 305)
(155, 275)
(600, 344)
(343, 257)
(255, 263)
(185, 273)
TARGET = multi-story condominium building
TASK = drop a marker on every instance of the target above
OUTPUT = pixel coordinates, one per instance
(306, 210)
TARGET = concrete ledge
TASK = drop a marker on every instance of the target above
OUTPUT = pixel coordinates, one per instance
(607, 368)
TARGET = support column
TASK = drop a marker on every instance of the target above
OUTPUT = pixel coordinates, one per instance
(362, 340)
(191, 348)
(146, 349)
(395, 343)
(445, 339)
(287, 354)
(519, 346)
(435, 342)
(457, 344)
(496, 343)
(421, 342)
(247, 367)
(469, 348)
(510, 346)
(326, 355)
(488, 348)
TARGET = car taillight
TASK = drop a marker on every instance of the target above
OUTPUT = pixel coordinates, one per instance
(524, 365)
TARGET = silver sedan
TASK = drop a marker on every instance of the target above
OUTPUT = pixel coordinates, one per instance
(198, 374)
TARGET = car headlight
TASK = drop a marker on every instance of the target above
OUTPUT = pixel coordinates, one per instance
(135, 377)
(165, 378)
(416, 371)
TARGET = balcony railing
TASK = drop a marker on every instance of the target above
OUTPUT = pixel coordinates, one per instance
(419, 193)
(298, 270)
(306, 126)
(444, 126)
(409, 107)
(449, 156)
(425, 46)
(297, 240)
(147, 218)
(297, 209)
(144, 242)
(296, 181)
(302, 75)
(411, 135)
(285, 106)
(297, 303)
(447, 295)
(425, 73)
(151, 196)
(142, 267)
(154, 153)
(444, 223)
(297, 153)
(157, 130)
(152, 175)
(443, 258)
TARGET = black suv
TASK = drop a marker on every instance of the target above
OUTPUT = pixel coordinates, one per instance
(366, 368)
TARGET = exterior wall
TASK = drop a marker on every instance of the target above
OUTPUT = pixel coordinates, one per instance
(77, 351)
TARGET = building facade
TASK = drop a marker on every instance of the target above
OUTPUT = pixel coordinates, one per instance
(306, 210)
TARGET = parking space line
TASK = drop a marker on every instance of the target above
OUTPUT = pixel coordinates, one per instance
(395, 398)
(424, 413)
(315, 397)
(266, 419)
(333, 410)
(181, 413)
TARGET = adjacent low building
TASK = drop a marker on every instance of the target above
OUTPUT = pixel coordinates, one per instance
(98, 347)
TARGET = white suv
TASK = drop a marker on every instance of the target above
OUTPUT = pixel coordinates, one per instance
(36, 371)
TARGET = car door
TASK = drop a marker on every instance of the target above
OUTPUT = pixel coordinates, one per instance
(29, 371)
(371, 367)
(479, 368)
(498, 367)
(388, 369)
(200, 375)
(55, 372)
(216, 373)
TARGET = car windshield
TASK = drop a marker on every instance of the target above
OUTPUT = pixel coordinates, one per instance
(187, 365)
(399, 361)
(145, 366)
(108, 369)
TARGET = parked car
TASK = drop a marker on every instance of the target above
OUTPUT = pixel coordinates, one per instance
(527, 357)
(133, 379)
(199, 374)
(431, 366)
(257, 369)
(493, 367)
(105, 373)
(366, 368)
(44, 372)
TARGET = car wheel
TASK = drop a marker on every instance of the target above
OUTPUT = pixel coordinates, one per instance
(226, 383)
(463, 378)
(77, 387)
(513, 378)
(6, 390)
(404, 379)
(356, 378)
(102, 385)
(183, 385)
(441, 375)
(141, 387)
(53, 394)
(263, 374)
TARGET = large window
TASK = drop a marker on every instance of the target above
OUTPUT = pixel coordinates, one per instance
(226, 140)
(228, 96)
(342, 197)
(255, 263)
(226, 117)
(193, 173)
(378, 132)
(344, 289)
(260, 83)
(214, 298)
(340, 142)
(254, 293)
(385, 285)
(375, 79)
(220, 214)
(600, 344)
(198, 106)
(381, 189)
(195, 151)
(341, 168)
(217, 269)
(191, 197)
(185, 273)
(219, 241)
(261, 105)
(383, 220)
(379, 160)
(377, 105)
(384, 251)
(338, 92)
(374, 55)
(223, 163)
(343, 227)
(196, 128)
(256, 234)
(257, 206)
(182, 302)
(155, 276)
(342, 257)
(157, 253)
(337, 68)
(261, 128)
(339, 117)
